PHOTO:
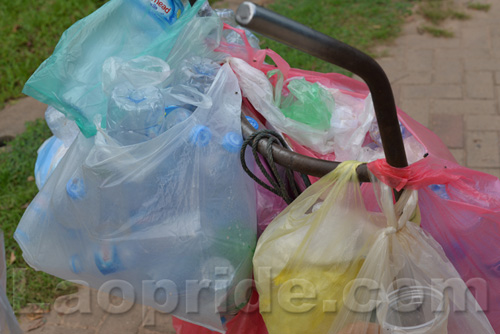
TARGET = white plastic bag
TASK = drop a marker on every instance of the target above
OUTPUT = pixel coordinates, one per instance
(8, 321)
(349, 124)
(177, 208)
(406, 284)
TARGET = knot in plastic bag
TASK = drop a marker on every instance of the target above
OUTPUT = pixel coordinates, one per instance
(390, 230)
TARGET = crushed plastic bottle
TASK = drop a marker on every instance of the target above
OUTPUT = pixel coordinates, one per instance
(197, 72)
(135, 115)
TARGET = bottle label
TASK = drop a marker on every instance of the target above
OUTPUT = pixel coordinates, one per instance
(166, 10)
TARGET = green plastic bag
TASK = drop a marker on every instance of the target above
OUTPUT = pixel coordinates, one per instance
(308, 103)
(70, 79)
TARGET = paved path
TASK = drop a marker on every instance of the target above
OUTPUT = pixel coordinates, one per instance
(450, 85)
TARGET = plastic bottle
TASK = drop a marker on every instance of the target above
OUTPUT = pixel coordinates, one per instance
(197, 72)
(412, 310)
(175, 115)
(64, 129)
(228, 16)
(135, 115)
(167, 10)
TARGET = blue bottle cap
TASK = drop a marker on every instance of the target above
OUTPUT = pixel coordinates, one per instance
(107, 260)
(252, 122)
(232, 142)
(75, 188)
(201, 135)
(76, 264)
(169, 109)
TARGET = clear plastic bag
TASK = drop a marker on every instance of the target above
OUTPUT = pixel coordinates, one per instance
(327, 264)
(177, 207)
(53, 149)
(8, 321)
(407, 284)
(345, 130)
(461, 209)
(70, 80)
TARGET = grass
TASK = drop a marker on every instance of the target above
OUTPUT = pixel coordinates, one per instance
(17, 189)
(29, 34)
(362, 24)
(479, 6)
(437, 11)
(437, 32)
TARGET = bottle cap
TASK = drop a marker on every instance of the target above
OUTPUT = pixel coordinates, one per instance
(201, 135)
(107, 260)
(252, 122)
(75, 188)
(232, 142)
(136, 96)
(169, 109)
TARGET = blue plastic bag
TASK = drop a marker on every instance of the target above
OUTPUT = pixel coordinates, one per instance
(70, 80)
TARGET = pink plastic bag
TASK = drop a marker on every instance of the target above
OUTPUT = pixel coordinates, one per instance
(463, 214)
(247, 321)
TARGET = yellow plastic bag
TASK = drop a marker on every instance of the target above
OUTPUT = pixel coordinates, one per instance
(311, 251)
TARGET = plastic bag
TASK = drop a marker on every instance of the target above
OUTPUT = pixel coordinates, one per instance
(405, 280)
(351, 120)
(248, 321)
(177, 207)
(461, 209)
(139, 72)
(308, 103)
(53, 149)
(8, 321)
(313, 243)
(70, 80)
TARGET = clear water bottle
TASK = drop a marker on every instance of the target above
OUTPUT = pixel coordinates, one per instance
(64, 129)
(414, 310)
(197, 72)
(168, 11)
(175, 115)
(135, 115)
(228, 16)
